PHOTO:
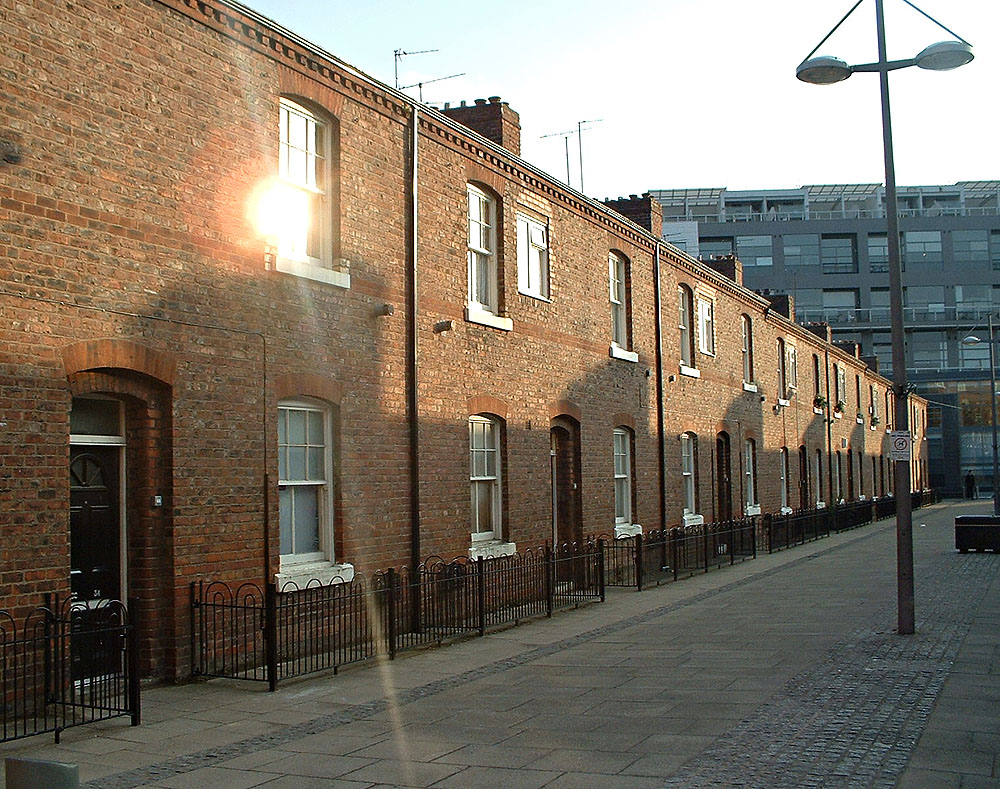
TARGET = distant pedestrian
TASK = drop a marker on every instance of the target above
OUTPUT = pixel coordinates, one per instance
(970, 485)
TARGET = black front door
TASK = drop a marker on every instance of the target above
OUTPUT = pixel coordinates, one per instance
(723, 473)
(565, 484)
(95, 559)
(95, 540)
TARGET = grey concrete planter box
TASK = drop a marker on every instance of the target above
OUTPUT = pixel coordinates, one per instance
(977, 533)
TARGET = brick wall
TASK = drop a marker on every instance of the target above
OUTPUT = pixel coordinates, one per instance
(130, 268)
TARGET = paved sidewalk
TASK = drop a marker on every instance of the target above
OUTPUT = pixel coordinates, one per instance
(783, 671)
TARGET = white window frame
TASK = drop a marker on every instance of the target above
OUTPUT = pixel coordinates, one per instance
(480, 479)
(782, 371)
(820, 501)
(322, 483)
(838, 483)
(685, 324)
(792, 365)
(305, 239)
(688, 473)
(618, 296)
(622, 451)
(482, 251)
(706, 325)
(785, 507)
(746, 331)
(750, 471)
(532, 257)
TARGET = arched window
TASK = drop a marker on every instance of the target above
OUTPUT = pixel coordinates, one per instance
(485, 470)
(746, 332)
(750, 470)
(782, 371)
(689, 472)
(482, 275)
(819, 477)
(685, 318)
(618, 294)
(785, 494)
(623, 476)
(861, 474)
(305, 482)
(305, 231)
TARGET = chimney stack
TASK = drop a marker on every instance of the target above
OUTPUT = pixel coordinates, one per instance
(645, 211)
(493, 119)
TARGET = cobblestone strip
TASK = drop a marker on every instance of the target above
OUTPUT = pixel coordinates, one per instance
(212, 756)
(853, 719)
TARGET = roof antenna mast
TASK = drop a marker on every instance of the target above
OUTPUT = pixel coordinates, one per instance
(399, 54)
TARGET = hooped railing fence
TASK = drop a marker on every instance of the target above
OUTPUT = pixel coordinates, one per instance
(673, 553)
(269, 634)
(670, 554)
(783, 530)
(66, 664)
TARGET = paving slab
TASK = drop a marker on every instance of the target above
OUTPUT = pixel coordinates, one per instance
(782, 671)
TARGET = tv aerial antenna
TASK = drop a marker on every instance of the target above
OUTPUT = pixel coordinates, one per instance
(420, 85)
(399, 54)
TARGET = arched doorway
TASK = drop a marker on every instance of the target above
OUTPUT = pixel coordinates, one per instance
(564, 451)
(97, 441)
(805, 502)
(724, 477)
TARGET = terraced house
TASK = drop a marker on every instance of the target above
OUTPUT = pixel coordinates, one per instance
(266, 318)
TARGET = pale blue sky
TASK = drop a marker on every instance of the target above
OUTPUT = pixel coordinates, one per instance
(690, 92)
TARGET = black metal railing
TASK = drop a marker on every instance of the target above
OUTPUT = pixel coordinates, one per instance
(66, 664)
(885, 507)
(246, 632)
(667, 554)
(783, 530)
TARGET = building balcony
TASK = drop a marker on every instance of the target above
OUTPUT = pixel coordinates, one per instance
(791, 214)
(877, 318)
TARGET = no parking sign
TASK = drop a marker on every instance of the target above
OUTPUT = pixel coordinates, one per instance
(899, 445)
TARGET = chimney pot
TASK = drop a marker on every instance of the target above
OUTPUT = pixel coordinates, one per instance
(494, 99)
(480, 102)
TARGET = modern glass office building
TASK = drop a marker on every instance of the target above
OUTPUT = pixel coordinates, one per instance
(826, 246)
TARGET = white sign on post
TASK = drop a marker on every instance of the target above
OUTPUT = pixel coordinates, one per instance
(899, 445)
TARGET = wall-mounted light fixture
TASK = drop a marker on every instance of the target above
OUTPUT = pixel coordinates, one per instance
(386, 310)
(443, 326)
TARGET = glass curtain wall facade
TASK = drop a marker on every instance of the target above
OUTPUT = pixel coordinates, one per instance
(826, 246)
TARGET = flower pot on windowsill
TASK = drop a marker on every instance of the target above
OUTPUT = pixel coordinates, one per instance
(819, 402)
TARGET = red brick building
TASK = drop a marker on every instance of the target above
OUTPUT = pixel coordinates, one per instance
(265, 317)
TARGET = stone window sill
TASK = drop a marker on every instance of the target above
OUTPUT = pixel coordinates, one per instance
(489, 549)
(627, 530)
(340, 279)
(484, 318)
(617, 352)
(323, 573)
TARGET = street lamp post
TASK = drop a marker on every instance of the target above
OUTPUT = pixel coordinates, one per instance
(943, 56)
(971, 340)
